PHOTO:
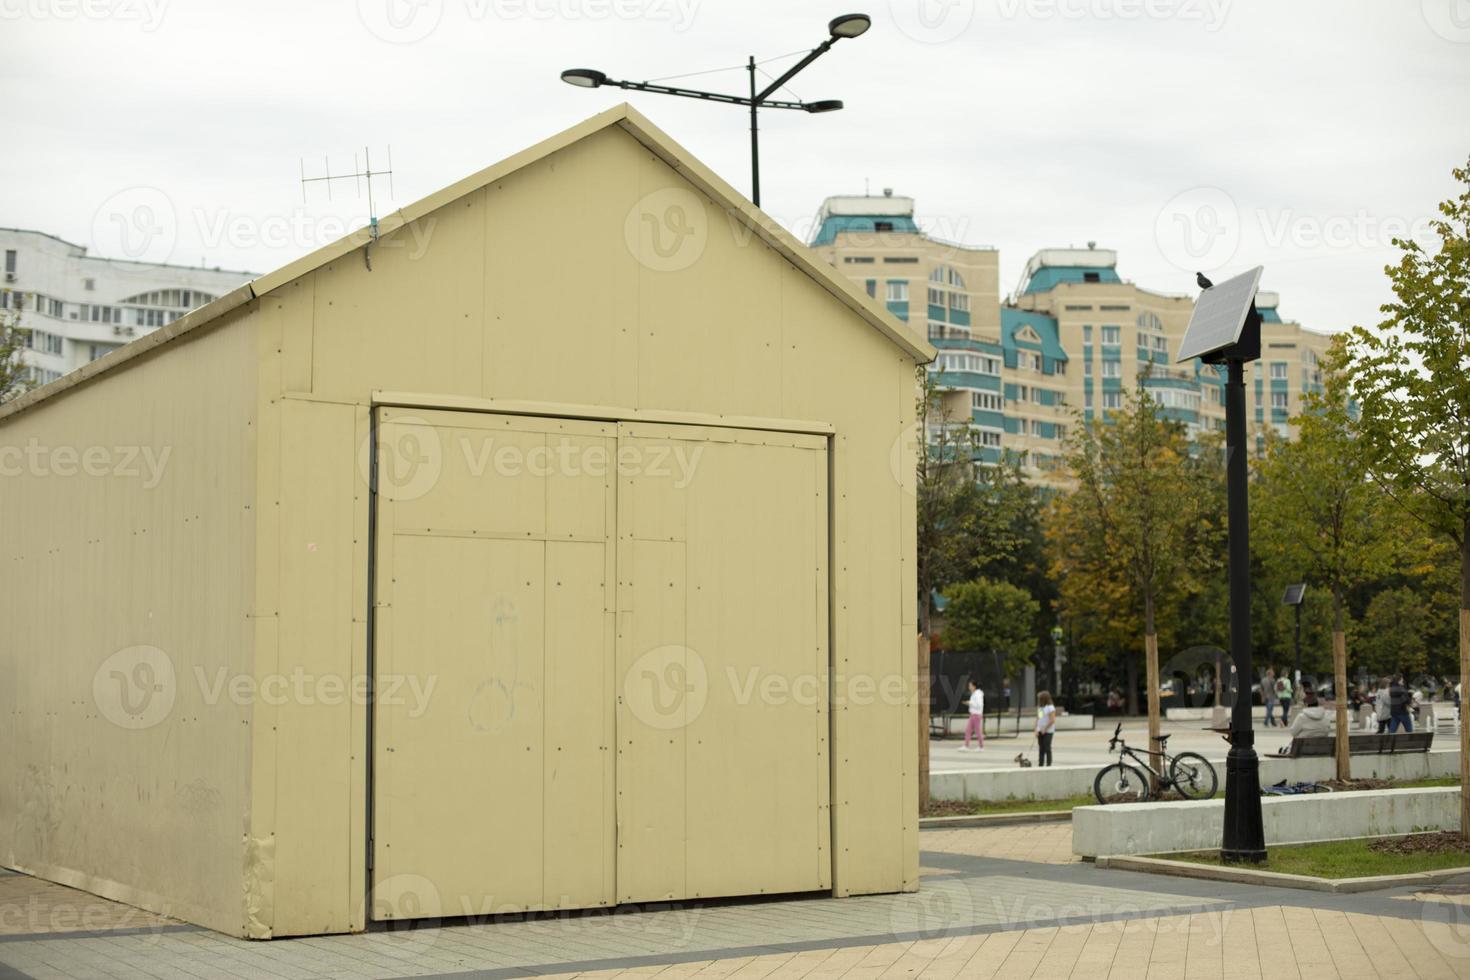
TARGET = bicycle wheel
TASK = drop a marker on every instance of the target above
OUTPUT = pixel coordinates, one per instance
(1193, 776)
(1119, 783)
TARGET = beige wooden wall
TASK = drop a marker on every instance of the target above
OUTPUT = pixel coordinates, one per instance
(123, 771)
(540, 288)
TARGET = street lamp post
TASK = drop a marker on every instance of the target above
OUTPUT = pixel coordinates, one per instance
(1056, 660)
(846, 26)
(1293, 597)
(1225, 329)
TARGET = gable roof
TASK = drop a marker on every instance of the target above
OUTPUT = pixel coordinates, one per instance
(625, 116)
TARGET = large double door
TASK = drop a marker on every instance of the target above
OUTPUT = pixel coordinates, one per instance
(600, 664)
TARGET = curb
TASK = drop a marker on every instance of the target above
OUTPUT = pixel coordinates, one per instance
(1243, 876)
(994, 819)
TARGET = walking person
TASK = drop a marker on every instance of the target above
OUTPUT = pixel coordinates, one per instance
(1381, 705)
(975, 727)
(1284, 693)
(1046, 723)
(1398, 707)
(1268, 693)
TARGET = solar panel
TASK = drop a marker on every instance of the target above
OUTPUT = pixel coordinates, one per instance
(1294, 594)
(1219, 316)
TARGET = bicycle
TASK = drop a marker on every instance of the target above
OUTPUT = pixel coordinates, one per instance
(1188, 772)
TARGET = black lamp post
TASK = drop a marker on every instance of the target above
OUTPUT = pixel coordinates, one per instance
(1293, 597)
(846, 26)
(1225, 329)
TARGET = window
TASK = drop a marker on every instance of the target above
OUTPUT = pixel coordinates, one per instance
(1279, 400)
(882, 226)
(1087, 368)
(872, 285)
(1087, 334)
(858, 259)
(1112, 335)
(959, 301)
(936, 296)
(100, 350)
(1112, 369)
(1087, 400)
(1027, 361)
(1023, 394)
(89, 284)
(1036, 428)
(898, 291)
(1112, 399)
(936, 330)
(1091, 277)
(1278, 370)
(986, 401)
(1074, 309)
(989, 438)
(1115, 307)
(43, 342)
(10, 262)
(1161, 345)
(1059, 432)
(900, 259)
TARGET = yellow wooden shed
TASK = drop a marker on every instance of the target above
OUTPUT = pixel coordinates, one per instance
(551, 547)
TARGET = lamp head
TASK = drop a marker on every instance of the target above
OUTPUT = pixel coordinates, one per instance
(849, 25)
(583, 77)
(826, 105)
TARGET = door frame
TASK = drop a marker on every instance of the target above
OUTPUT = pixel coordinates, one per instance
(473, 405)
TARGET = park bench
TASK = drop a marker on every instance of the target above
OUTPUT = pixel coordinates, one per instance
(1386, 744)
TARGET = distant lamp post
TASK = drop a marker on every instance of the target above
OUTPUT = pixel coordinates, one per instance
(1293, 597)
(1225, 328)
(839, 28)
(1056, 660)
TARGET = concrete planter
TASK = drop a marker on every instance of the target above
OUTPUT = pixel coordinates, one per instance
(1162, 828)
(1059, 782)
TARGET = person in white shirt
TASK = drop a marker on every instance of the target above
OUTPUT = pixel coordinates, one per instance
(1046, 724)
(976, 726)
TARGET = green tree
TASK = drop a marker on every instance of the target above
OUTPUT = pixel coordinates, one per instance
(992, 617)
(1135, 530)
(1411, 376)
(1392, 635)
(1320, 519)
(14, 378)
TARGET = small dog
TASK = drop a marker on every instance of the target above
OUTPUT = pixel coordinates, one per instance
(1022, 761)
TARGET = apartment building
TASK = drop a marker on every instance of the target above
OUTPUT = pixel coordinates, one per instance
(1067, 343)
(80, 307)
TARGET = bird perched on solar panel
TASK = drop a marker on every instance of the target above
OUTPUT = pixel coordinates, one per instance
(1203, 280)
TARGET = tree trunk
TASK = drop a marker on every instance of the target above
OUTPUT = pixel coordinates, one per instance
(1339, 687)
(1151, 678)
(924, 722)
(1464, 675)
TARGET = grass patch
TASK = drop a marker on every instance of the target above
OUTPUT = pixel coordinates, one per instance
(1339, 859)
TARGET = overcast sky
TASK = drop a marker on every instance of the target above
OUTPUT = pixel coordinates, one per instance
(1301, 135)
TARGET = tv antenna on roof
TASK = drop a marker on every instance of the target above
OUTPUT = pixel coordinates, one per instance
(360, 176)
